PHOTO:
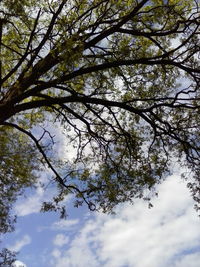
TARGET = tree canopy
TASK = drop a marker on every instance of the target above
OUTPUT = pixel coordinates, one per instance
(120, 79)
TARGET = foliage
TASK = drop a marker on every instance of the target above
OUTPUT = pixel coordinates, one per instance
(122, 80)
(18, 166)
(17, 171)
(7, 258)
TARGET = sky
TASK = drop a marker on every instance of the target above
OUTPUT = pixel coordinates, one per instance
(166, 235)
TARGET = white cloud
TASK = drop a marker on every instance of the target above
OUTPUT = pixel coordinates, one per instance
(64, 224)
(80, 254)
(60, 240)
(19, 264)
(61, 225)
(32, 203)
(21, 243)
(56, 253)
(162, 236)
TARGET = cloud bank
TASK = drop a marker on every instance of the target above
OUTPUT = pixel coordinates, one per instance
(166, 235)
(19, 244)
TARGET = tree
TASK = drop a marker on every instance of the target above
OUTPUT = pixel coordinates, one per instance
(7, 258)
(14, 178)
(122, 80)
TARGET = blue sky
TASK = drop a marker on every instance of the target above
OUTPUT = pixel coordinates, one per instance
(166, 235)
